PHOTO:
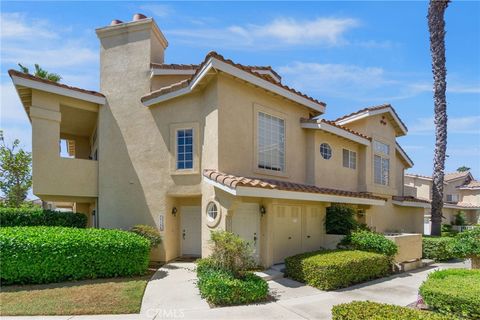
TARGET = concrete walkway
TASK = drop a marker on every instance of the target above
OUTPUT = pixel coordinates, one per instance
(172, 294)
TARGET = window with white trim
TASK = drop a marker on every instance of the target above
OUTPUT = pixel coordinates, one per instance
(184, 149)
(381, 163)
(452, 197)
(349, 159)
(325, 151)
(271, 142)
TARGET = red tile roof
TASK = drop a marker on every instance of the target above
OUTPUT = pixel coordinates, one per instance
(16, 73)
(233, 182)
(456, 175)
(248, 69)
(175, 66)
(473, 184)
(409, 199)
(303, 120)
(374, 108)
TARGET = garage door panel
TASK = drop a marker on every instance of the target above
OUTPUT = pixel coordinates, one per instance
(287, 232)
(313, 228)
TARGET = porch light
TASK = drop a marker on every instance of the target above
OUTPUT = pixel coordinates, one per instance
(262, 210)
(174, 211)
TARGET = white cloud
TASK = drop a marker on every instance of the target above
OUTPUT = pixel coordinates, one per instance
(277, 33)
(457, 125)
(11, 110)
(14, 26)
(451, 88)
(160, 10)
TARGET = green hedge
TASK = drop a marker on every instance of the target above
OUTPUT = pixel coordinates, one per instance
(53, 254)
(438, 248)
(373, 242)
(17, 217)
(220, 287)
(364, 310)
(333, 269)
(453, 291)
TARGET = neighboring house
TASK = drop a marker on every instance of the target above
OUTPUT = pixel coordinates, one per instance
(219, 145)
(461, 193)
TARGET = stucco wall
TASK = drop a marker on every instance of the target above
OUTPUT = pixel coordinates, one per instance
(393, 218)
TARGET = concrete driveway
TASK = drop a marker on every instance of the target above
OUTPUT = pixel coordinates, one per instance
(172, 294)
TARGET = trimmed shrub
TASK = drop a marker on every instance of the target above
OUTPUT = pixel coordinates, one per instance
(334, 269)
(453, 291)
(18, 217)
(230, 252)
(373, 242)
(340, 219)
(364, 310)
(459, 219)
(220, 287)
(438, 248)
(148, 232)
(53, 254)
(467, 245)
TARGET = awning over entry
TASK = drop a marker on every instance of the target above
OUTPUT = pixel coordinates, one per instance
(269, 188)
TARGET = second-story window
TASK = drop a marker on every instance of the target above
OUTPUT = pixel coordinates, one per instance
(271, 142)
(184, 149)
(452, 197)
(381, 163)
(349, 159)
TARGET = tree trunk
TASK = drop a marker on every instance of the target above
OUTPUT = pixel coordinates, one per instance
(436, 27)
(475, 262)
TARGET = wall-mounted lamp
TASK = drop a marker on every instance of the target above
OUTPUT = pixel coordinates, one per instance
(262, 210)
(174, 211)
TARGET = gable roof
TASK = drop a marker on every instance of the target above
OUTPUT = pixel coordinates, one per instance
(400, 127)
(457, 175)
(243, 186)
(472, 185)
(190, 69)
(403, 154)
(215, 61)
(332, 127)
(30, 81)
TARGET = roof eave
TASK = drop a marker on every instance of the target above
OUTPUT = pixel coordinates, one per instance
(336, 131)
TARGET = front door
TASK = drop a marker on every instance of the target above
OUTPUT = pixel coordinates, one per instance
(191, 231)
(246, 224)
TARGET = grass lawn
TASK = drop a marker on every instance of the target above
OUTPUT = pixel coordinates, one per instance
(99, 296)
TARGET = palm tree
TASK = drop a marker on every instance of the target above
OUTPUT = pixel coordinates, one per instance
(436, 27)
(41, 73)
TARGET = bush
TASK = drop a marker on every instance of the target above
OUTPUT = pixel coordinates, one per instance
(16, 217)
(340, 219)
(453, 291)
(230, 252)
(333, 269)
(148, 232)
(438, 248)
(220, 287)
(364, 310)
(467, 245)
(459, 219)
(52, 254)
(373, 242)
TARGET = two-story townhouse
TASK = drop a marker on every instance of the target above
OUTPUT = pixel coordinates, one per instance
(461, 193)
(218, 145)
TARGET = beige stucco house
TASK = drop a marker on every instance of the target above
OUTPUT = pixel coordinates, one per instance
(215, 145)
(461, 194)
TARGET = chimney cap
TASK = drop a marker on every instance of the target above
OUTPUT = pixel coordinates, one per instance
(115, 22)
(138, 16)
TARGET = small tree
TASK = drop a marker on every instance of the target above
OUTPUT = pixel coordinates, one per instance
(340, 219)
(463, 169)
(41, 73)
(15, 174)
(467, 245)
(459, 219)
(230, 252)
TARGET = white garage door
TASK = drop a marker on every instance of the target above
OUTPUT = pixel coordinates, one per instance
(287, 236)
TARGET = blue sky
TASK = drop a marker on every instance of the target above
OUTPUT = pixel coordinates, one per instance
(347, 54)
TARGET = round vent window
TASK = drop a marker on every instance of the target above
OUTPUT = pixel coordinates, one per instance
(212, 211)
(325, 151)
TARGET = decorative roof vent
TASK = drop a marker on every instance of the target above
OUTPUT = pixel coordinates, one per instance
(115, 22)
(138, 16)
